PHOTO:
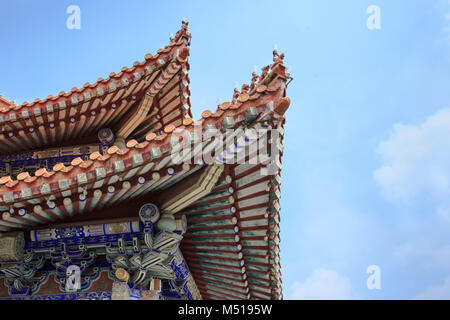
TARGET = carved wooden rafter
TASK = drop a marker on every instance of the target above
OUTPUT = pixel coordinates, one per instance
(130, 123)
(184, 194)
(135, 118)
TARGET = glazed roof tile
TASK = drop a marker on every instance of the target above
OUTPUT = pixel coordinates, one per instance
(51, 120)
(236, 108)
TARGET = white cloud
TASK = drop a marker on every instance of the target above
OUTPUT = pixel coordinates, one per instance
(416, 171)
(444, 212)
(424, 253)
(437, 292)
(446, 28)
(323, 284)
(416, 162)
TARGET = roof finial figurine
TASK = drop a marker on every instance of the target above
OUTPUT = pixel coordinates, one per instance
(184, 24)
(235, 94)
(265, 72)
(279, 59)
(275, 56)
(245, 88)
(184, 30)
(255, 79)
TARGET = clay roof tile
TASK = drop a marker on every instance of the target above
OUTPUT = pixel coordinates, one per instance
(206, 114)
(23, 175)
(95, 155)
(169, 128)
(151, 136)
(76, 162)
(58, 167)
(40, 172)
(131, 143)
(224, 106)
(112, 150)
(5, 179)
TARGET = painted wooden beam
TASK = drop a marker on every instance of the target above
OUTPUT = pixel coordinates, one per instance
(134, 119)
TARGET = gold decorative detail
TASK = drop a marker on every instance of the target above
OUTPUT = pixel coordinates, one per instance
(122, 275)
(117, 228)
(12, 246)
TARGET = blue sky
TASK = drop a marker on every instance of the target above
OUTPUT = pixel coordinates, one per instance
(366, 170)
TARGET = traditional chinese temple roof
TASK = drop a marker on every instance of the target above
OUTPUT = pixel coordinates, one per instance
(231, 244)
(82, 111)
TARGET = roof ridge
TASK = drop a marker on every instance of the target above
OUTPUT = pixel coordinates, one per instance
(181, 40)
(260, 84)
(5, 101)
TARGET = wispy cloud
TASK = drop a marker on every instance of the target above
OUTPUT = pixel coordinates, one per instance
(322, 284)
(446, 29)
(416, 171)
(424, 253)
(436, 292)
(446, 17)
(416, 163)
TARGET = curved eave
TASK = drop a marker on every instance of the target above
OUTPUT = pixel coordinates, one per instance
(117, 166)
(83, 110)
(232, 241)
